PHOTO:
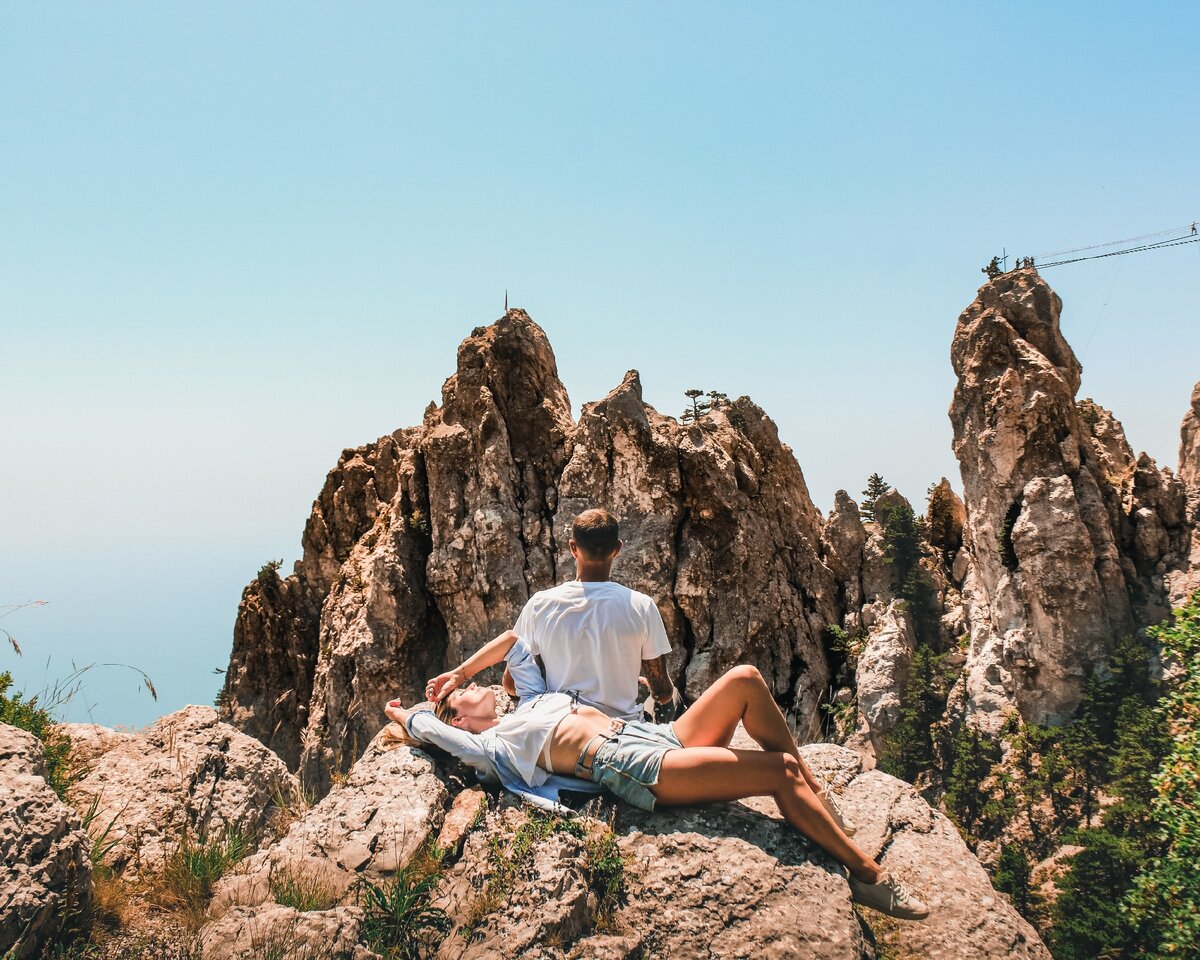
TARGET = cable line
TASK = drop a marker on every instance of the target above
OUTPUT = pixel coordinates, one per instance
(1142, 248)
(1113, 243)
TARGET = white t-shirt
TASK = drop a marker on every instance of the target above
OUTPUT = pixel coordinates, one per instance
(592, 638)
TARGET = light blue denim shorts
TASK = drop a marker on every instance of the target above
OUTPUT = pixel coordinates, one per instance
(629, 761)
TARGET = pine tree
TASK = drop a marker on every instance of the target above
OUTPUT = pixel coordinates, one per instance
(876, 488)
(1012, 877)
(972, 762)
(699, 407)
(1088, 919)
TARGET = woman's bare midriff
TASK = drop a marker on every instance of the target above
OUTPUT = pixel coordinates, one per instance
(572, 734)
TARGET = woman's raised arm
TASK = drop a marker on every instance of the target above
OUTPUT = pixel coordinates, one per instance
(490, 654)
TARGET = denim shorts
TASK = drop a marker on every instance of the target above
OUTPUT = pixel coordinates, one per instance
(629, 761)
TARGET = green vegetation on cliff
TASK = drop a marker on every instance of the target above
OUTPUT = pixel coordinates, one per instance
(1121, 781)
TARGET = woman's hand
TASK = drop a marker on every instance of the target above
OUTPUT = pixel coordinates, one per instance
(440, 686)
(395, 711)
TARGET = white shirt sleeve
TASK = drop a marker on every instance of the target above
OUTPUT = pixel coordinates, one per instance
(656, 643)
(525, 630)
(467, 747)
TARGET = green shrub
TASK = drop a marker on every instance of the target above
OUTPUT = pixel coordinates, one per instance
(509, 857)
(1088, 919)
(1012, 877)
(605, 869)
(268, 573)
(1166, 894)
(195, 866)
(29, 716)
(398, 914)
(876, 488)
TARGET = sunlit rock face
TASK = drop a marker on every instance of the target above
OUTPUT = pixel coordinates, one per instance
(1186, 579)
(1071, 539)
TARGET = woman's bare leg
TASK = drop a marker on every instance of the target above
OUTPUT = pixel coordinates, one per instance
(708, 774)
(740, 694)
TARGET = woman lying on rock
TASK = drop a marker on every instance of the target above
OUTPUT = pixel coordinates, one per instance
(551, 742)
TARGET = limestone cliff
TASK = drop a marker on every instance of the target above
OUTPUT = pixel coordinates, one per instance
(1070, 538)
(1186, 579)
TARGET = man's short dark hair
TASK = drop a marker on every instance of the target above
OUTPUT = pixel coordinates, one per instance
(595, 533)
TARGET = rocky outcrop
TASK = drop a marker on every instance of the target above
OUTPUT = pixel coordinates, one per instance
(946, 519)
(885, 620)
(843, 540)
(968, 917)
(883, 669)
(428, 542)
(47, 878)
(1186, 580)
(734, 880)
(1056, 511)
(1146, 507)
(188, 777)
(725, 880)
(719, 527)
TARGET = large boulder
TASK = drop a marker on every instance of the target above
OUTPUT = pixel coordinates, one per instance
(883, 667)
(387, 809)
(968, 918)
(47, 878)
(251, 933)
(188, 777)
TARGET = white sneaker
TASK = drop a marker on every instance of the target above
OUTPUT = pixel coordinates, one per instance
(888, 896)
(834, 809)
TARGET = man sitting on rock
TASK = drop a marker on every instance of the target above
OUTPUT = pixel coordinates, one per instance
(553, 737)
(594, 636)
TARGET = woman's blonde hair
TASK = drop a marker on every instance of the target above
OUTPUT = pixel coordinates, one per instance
(444, 711)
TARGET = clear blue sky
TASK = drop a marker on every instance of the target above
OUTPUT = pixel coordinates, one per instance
(236, 238)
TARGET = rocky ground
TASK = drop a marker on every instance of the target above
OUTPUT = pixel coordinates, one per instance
(726, 880)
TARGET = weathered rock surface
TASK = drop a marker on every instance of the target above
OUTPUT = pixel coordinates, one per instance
(1186, 581)
(883, 669)
(90, 741)
(47, 874)
(428, 542)
(188, 775)
(1068, 549)
(733, 880)
(249, 933)
(1147, 509)
(389, 806)
(946, 517)
(968, 917)
(843, 540)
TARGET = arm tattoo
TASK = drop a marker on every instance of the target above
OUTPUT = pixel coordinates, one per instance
(655, 670)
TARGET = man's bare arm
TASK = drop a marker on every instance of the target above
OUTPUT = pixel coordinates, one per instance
(655, 672)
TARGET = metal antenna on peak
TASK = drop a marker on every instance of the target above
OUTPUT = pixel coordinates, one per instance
(506, 301)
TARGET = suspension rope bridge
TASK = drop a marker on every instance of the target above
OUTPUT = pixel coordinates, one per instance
(1174, 237)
